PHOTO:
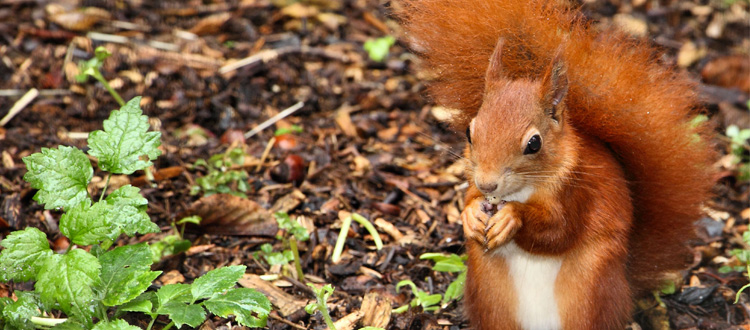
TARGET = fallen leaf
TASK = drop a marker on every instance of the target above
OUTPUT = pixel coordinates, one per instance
(224, 214)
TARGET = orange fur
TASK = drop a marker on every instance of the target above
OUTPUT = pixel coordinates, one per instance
(626, 171)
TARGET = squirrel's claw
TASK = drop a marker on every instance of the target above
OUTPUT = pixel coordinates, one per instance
(474, 219)
(501, 227)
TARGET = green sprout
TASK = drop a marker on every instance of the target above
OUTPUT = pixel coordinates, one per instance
(427, 301)
(92, 67)
(345, 224)
(378, 48)
(321, 298)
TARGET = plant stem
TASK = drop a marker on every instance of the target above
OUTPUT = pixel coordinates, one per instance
(98, 76)
(151, 324)
(168, 326)
(368, 225)
(327, 317)
(295, 252)
(46, 322)
(106, 185)
(341, 239)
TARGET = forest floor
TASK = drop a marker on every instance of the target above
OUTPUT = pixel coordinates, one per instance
(365, 140)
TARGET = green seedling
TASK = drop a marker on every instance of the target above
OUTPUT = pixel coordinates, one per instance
(298, 233)
(294, 129)
(345, 224)
(743, 256)
(86, 284)
(378, 48)
(452, 263)
(321, 299)
(427, 301)
(274, 258)
(740, 148)
(175, 243)
(293, 232)
(92, 68)
(222, 177)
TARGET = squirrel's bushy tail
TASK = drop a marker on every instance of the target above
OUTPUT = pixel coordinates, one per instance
(618, 93)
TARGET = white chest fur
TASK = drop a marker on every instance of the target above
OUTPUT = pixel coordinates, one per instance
(534, 281)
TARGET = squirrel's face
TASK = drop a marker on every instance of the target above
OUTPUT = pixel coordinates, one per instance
(514, 142)
(517, 142)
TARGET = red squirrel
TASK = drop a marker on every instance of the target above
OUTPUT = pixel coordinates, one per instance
(585, 171)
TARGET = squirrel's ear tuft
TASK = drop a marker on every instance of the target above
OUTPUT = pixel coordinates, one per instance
(495, 69)
(555, 86)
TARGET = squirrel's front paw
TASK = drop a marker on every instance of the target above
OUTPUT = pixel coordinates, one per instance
(474, 219)
(501, 227)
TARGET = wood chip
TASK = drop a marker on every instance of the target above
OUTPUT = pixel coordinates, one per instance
(377, 310)
(286, 303)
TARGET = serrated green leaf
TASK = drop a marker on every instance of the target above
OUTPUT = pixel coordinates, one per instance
(66, 281)
(125, 145)
(126, 273)
(88, 225)
(115, 325)
(68, 325)
(143, 303)
(181, 313)
(242, 303)
(61, 175)
(19, 313)
(130, 211)
(25, 253)
(216, 281)
(455, 290)
(178, 292)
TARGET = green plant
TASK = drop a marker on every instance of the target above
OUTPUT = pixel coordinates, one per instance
(298, 233)
(452, 263)
(215, 291)
(427, 301)
(321, 298)
(740, 149)
(743, 256)
(85, 285)
(293, 232)
(174, 243)
(339, 247)
(378, 48)
(288, 130)
(221, 177)
(92, 67)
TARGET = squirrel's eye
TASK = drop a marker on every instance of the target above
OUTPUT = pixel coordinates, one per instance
(534, 145)
(468, 134)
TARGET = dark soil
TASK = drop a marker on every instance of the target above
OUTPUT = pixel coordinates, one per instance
(369, 142)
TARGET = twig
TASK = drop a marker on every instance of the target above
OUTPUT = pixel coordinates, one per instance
(289, 323)
(19, 105)
(43, 92)
(274, 119)
(271, 54)
(263, 157)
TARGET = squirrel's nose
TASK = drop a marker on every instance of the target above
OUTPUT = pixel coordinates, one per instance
(487, 187)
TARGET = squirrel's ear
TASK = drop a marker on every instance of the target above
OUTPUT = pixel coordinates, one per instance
(555, 86)
(495, 70)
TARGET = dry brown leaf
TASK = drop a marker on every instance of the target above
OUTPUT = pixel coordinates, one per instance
(729, 71)
(160, 174)
(224, 214)
(211, 24)
(345, 121)
(171, 277)
(298, 10)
